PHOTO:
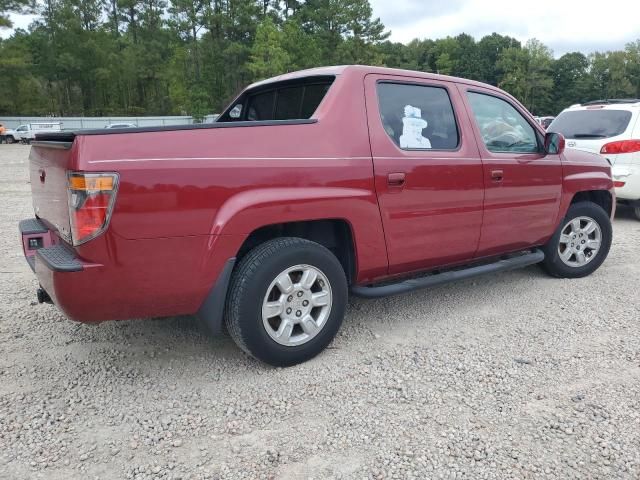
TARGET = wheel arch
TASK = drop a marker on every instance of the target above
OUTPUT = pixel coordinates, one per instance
(335, 234)
(603, 198)
(345, 220)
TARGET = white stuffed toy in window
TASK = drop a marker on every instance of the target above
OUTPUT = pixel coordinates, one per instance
(412, 126)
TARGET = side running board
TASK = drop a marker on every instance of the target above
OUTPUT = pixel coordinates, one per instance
(405, 286)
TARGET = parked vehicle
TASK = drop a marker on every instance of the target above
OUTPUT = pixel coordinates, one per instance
(14, 135)
(310, 185)
(121, 125)
(611, 128)
(27, 132)
(544, 122)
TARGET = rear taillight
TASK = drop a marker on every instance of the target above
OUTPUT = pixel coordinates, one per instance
(619, 184)
(91, 199)
(622, 146)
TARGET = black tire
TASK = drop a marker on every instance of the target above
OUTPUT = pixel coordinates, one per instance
(636, 212)
(554, 265)
(249, 284)
(10, 140)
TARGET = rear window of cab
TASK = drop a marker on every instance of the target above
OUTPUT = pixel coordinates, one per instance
(296, 99)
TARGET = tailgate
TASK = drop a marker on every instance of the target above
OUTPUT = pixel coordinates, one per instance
(48, 165)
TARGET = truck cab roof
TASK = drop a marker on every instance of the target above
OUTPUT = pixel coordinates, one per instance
(367, 70)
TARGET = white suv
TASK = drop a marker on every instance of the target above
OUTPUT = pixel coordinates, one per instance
(612, 129)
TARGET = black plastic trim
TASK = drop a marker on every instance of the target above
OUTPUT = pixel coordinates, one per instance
(30, 226)
(31, 260)
(59, 258)
(70, 135)
(450, 276)
(212, 310)
(51, 144)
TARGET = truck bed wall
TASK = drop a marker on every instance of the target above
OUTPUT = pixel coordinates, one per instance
(213, 187)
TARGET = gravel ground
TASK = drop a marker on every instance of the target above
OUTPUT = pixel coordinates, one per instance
(514, 375)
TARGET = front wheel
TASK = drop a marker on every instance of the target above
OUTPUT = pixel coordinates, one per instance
(286, 301)
(580, 244)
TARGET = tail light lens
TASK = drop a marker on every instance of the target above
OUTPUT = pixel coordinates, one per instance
(619, 184)
(623, 146)
(91, 200)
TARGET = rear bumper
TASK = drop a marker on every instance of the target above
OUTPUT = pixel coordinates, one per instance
(630, 175)
(111, 278)
(53, 262)
(39, 243)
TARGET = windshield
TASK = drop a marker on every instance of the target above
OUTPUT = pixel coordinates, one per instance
(591, 123)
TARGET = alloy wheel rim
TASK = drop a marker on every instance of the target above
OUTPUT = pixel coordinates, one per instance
(580, 241)
(297, 305)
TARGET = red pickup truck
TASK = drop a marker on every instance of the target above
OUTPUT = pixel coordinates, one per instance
(310, 185)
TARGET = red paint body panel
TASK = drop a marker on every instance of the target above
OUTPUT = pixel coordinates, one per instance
(188, 199)
(520, 209)
(433, 219)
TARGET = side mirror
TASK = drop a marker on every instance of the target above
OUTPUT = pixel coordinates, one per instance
(554, 143)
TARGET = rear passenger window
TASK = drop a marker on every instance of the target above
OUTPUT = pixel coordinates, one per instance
(418, 117)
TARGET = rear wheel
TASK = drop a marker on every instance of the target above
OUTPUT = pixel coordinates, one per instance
(580, 244)
(10, 139)
(286, 301)
(636, 212)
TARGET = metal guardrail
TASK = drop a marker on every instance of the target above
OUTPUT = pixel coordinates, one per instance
(74, 123)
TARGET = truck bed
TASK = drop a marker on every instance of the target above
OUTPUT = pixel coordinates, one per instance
(69, 136)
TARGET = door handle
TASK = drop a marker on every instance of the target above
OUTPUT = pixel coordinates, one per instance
(395, 179)
(497, 175)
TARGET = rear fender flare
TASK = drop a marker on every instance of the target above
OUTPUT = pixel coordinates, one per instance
(247, 211)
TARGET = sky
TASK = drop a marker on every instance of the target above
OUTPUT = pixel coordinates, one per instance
(563, 25)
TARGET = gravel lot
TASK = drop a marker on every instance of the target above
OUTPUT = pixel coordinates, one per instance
(515, 375)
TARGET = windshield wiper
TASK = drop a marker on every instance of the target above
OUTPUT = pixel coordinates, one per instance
(589, 135)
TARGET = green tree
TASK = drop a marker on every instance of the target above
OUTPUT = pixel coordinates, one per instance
(466, 62)
(512, 70)
(527, 75)
(570, 79)
(96, 57)
(268, 55)
(27, 92)
(303, 49)
(633, 66)
(539, 77)
(490, 48)
(334, 22)
(444, 64)
(13, 6)
(611, 75)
